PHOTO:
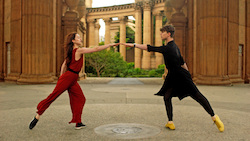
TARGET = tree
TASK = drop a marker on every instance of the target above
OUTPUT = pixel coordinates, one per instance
(105, 61)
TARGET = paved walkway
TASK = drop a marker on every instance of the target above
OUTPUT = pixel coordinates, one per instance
(113, 101)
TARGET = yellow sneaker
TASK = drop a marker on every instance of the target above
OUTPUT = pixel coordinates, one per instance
(219, 123)
(170, 126)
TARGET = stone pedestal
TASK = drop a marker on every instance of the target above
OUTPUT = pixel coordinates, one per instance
(138, 35)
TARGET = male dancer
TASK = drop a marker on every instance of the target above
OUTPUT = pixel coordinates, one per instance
(178, 82)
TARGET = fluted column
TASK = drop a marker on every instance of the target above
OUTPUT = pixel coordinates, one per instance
(1, 39)
(247, 74)
(147, 27)
(36, 42)
(123, 36)
(158, 41)
(107, 30)
(138, 34)
(91, 25)
(97, 27)
(212, 50)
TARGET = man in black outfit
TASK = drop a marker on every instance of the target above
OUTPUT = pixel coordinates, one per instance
(178, 82)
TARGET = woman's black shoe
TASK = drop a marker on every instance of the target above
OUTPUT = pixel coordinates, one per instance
(33, 123)
(79, 126)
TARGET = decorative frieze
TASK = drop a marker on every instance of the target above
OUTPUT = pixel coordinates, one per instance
(111, 8)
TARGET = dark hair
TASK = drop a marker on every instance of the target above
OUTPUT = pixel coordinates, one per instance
(168, 28)
(68, 47)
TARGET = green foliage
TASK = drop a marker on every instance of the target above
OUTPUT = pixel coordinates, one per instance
(104, 63)
(111, 64)
(101, 43)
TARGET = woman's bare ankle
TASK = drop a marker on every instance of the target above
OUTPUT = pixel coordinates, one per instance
(37, 116)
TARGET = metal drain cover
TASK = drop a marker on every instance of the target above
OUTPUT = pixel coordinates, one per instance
(127, 130)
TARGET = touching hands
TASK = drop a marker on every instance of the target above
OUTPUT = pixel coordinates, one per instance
(114, 44)
(127, 44)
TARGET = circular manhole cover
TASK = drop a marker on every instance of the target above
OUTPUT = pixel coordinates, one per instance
(127, 130)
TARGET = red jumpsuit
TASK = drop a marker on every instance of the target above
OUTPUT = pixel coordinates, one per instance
(68, 81)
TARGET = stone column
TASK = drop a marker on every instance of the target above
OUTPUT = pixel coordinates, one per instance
(146, 33)
(212, 48)
(97, 27)
(107, 30)
(179, 21)
(247, 56)
(91, 31)
(14, 37)
(1, 39)
(158, 41)
(70, 20)
(123, 36)
(37, 43)
(138, 34)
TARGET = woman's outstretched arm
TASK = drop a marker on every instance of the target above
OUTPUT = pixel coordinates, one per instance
(95, 49)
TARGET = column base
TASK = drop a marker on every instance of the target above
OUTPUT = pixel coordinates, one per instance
(236, 79)
(35, 79)
(12, 77)
(1, 77)
(212, 80)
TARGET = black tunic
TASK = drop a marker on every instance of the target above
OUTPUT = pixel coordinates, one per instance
(178, 79)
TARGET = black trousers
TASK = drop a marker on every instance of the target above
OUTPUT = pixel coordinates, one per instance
(197, 97)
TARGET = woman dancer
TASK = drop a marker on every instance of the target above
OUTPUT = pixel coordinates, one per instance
(68, 80)
(178, 82)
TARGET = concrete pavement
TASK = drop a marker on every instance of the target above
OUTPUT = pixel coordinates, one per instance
(111, 101)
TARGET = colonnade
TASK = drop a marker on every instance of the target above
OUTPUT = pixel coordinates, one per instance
(142, 59)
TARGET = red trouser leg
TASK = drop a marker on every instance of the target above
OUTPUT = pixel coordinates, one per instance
(64, 82)
(77, 101)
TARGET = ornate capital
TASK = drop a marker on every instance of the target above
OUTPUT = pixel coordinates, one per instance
(123, 19)
(97, 25)
(138, 6)
(158, 15)
(147, 5)
(91, 21)
(107, 20)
